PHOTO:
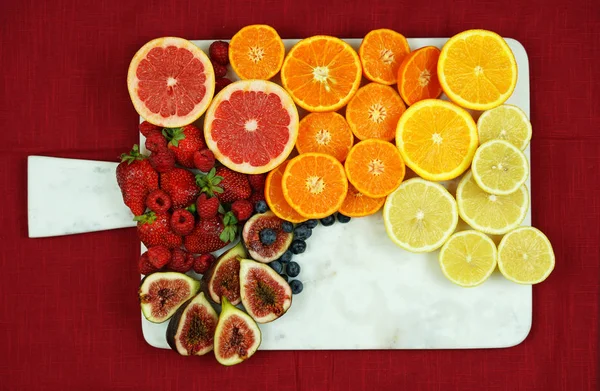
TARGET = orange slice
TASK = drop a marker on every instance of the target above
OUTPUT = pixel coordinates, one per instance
(256, 52)
(275, 198)
(314, 184)
(437, 139)
(357, 204)
(417, 76)
(477, 69)
(381, 53)
(321, 73)
(325, 133)
(374, 112)
(375, 167)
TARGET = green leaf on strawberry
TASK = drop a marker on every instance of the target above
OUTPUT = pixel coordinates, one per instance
(133, 155)
(174, 135)
(230, 230)
(208, 182)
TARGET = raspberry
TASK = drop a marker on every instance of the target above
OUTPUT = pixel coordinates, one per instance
(163, 161)
(181, 261)
(203, 263)
(220, 70)
(182, 222)
(144, 265)
(159, 256)
(158, 201)
(207, 207)
(146, 128)
(219, 52)
(204, 160)
(221, 83)
(242, 209)
(257, 181)
(156, 142)
(257, 195)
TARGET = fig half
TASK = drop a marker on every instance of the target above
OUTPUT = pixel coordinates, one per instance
(257, 249)
(223, 278)
(191, 330)
(237, 336)
(161, 294)
(265, 294)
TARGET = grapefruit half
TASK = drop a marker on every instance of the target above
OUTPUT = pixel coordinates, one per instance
(171, 82)
(251, 126)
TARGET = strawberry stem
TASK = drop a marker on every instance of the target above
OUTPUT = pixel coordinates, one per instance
(230, 230)
(133, 155)
(208, 182)
(174, 135)
(146, 218)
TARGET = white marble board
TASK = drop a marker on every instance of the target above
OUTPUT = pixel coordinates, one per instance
(363, 292)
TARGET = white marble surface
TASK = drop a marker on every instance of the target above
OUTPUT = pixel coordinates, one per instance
(363, 292)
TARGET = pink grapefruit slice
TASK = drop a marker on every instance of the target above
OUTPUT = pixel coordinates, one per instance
(251, 126)
(171, 82)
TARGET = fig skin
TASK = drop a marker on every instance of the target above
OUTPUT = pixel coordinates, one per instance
(239, 252)
(260, 252)
(228, 310)
(194, 286)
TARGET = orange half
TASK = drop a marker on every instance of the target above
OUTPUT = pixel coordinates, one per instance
(275, 198)
(325, 133)
(381, 53)
(256, 52)
(356, 204)
(417, 76)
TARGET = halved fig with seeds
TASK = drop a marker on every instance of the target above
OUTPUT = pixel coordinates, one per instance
(223, 278)
(161, 294)
(265, 294)
(191, 330)
(265, 238)
(237, 336)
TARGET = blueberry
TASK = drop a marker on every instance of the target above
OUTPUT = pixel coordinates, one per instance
(284, 277)
(261, 207)
(327, 221)
(342, 218)
(311, 223)
(292, 269)
(277, 266)
(267, 236)
(286, 257)
(298, 246)
(287, 226)
(296, 286)
(302, 232)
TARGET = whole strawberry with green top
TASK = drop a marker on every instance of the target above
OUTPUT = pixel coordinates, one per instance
(184, 142)
(154, 229)
(211, 234)
(229, 186)
(180, 185)
(136, 178)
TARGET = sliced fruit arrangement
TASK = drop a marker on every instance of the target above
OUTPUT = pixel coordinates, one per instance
(525, 256)
(237, 336)
(356, 204)
(256, 52)
(223, 278)
(499, 167)
(275, 198)
(417, 75)
(381, 53)
(265, 238)
(161, 294)
(468, 258)
(505, 122)
(327, 133)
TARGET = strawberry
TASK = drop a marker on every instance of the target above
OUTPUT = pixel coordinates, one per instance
(184, 142)
(232, 186)
(221, 83)
(159, 256)
(257, 181)
(219, 52)
(146, 128)
(163, 160)
(180, 184)
(207, 207)
(182, 222)
(155, 142)
(136, 178)
(154, 230)
(257, 195)
(220, 70)
(204, 160)
(181, 261)
(242, 209)
(203, 263)
(158, 201)
(211, 234)
(144, 265)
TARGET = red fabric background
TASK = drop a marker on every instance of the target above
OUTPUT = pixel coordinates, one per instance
(68, 309)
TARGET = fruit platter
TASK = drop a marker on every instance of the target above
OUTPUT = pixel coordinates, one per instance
(326, 193)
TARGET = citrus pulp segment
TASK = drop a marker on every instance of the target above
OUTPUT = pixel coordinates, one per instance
(321, 73)
(251, 126)
(477, 69)
(499, 167)
(381, 52)
(275, 198)
(505, 122)
(417, 75)
(325, 133)
(420, 215)
(256, 52)
(525, 256)
(171, 82)
(356, 204)
(437, 139)
(468, 258)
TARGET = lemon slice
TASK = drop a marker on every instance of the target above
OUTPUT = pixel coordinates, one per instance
(525, 256)
(490, 213)
(499, 167)
(506, 122)
(419, 215)
(468, 258)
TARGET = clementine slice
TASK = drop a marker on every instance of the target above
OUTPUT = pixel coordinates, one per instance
(374, 112)
(314, 184)
(417, 76)
(381, 53)
(437, 139)
(321, 73)
(477, 69)
(375, 167)
(275, 198)
(325, 133)
(256, 52)
(356, 204)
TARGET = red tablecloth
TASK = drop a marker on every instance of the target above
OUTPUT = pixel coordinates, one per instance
(68, 309)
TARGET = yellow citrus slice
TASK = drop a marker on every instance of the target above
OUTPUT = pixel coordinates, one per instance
(420, 216)
(505, 122)
(525, 256)
(468, 258)
(437, 139)
(499, 167)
